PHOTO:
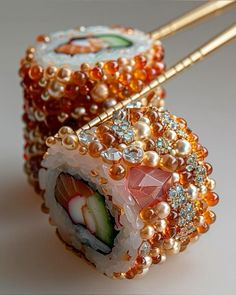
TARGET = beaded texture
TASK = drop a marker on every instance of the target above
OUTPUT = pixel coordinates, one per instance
(56, 96)
(166, 174)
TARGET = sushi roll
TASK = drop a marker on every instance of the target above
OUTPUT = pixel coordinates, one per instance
(69, 77)
(129, 192)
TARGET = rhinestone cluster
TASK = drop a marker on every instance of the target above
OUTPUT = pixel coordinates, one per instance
(165, 171)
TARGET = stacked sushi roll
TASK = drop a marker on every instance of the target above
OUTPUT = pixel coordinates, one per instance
(130, 191)
(69, 77)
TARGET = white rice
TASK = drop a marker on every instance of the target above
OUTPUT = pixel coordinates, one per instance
(127, 240)
(46, 56)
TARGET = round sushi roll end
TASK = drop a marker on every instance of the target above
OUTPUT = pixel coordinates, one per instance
(129, 192)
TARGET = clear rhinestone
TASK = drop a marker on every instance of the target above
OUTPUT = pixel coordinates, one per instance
(111, 154)
(119, 116)
(133, 154)
(145, 248)
(85, 137)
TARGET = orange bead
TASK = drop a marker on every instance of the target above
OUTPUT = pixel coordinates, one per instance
(140, 74)
(42, 38)
(125, 78)
(162, 93)
(95, 73)
(108, 139)
(149, 144)
(111, 67)
(140, 61)
(185, 177)
(157, 129)
(201, 206)
(95, 148)
(101, 129)
(157, 259)
(115, 87)
(117, 172)
(136, 85)
(79, 78)
(24, 70)
(209, 168)
(151, 74)
(159, 67)
(152, 115)
(212, 198)
(203, 229)
(182, 122)
(168, 163)
(147, 214)
(35, 72)
(209, 217)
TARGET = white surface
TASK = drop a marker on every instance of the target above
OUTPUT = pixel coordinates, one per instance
(32, 260)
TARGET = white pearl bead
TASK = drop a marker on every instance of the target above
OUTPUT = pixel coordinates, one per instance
(193, 191)
(183, 147)
(163, 210)
(142, 130)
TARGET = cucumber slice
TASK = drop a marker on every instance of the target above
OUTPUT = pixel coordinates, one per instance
(115, 41)
(104, 223)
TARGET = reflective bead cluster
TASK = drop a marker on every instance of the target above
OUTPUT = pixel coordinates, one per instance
(54, 96)
(182, 212)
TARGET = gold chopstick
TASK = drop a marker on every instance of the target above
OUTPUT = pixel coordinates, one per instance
(197, 55)
(191, 17)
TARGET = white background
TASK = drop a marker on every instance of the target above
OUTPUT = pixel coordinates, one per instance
(32, 260)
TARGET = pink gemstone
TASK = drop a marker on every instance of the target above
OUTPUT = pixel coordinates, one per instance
(147, 185)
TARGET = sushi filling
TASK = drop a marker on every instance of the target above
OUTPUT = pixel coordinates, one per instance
(93, 44)
(88, 210)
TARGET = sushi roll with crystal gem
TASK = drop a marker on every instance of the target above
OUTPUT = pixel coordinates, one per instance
(130, 191)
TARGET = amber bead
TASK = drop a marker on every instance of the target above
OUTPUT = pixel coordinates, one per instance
(115, 87)
(135, 116)
(64, 75)
(212, 198)
(149, 144)
(95, 148)
(101, 129)
(117, 172)
(209, 168)
(157, 259)
(108, 139)
(140, 74)
(182, 122)
(159, 67)
(42, 38)
(125, 78)
(111, 67)
(168, 163)
(71, 90)
(209, 217)
(95, 73)
(181, 164)
(140, 61)
(136, 85)
(201, 206)
(147, 214)
(205, 152)
(79, 78)
(157, 129)
(152, 116)
(35, 72)
(156, 240)
(151, 74)
(24, 70)
(51, 71)
(130, 274)
(185, 177)
(203, 229)
(162, 93)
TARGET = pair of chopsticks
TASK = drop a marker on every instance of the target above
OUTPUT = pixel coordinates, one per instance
(180, 23)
